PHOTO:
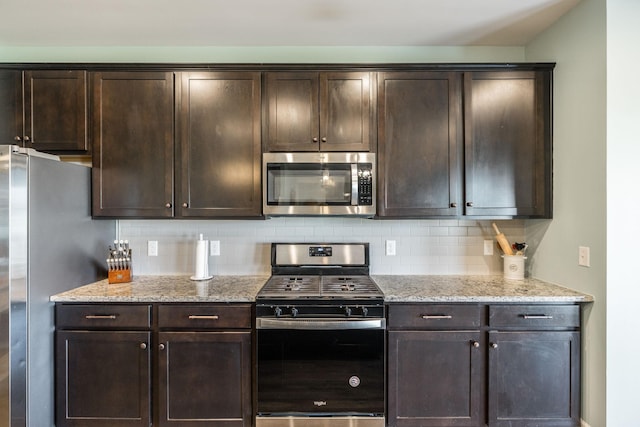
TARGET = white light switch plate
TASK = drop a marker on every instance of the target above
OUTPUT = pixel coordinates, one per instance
(488, 247)
(390, 247)
(215, 247)
(152, 248)
(584, 256)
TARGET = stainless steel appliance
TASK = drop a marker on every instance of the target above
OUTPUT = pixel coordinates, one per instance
(320, 339)
(319, 184)
(48, 244)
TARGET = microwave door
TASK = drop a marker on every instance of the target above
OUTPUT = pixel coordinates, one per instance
(310, 185)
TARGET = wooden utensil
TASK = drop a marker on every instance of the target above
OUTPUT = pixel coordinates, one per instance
(502, 241)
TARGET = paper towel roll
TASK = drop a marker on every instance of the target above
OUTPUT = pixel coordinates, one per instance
(202, 262)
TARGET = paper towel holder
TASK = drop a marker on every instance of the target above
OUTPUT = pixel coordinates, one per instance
(202, 260)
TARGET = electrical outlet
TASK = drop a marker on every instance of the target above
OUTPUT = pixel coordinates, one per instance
(488, 247)
(390, 247)
(152, 248)
(584, 256)
(215, 247)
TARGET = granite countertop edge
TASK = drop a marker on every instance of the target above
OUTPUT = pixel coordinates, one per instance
(396, 288)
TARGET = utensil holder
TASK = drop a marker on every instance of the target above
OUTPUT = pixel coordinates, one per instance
(514, 267)
(120, 276)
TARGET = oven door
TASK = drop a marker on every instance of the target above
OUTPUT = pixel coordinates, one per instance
(320, 368)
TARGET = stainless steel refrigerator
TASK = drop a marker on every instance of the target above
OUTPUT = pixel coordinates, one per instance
(48, 244)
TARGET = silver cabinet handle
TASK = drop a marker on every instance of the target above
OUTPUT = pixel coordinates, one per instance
(143, 345)
(185, 205)
(161, 347)
(494, 345)
(17, 138)
(202, 317)
(537, 316)
(26, 138)
(168, 205)
(476, 344)
(470, 204)
(101, 316)
(436, 316)
(314, 140)
(324, 139)
(454, 205)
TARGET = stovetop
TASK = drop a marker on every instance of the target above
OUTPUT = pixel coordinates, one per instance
(320, 271)
(320, 286)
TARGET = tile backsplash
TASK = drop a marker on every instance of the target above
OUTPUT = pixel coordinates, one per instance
(422, 246)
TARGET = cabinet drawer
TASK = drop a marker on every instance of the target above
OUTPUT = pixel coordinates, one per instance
(103, 316)
(434, 316)
(210, 316)
(534, 316)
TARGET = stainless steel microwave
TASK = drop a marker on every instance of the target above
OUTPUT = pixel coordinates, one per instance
(319, 184)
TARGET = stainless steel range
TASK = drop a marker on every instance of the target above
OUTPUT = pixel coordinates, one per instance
(320, 339)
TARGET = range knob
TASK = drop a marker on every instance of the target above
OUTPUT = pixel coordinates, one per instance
(294, 312)
(347, 311)
(277, 311)
(365, 311)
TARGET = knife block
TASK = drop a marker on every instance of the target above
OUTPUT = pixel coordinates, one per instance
(120, 276)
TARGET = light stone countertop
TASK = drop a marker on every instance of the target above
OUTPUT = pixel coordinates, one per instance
(484, 289)
(401, 288)
(168, 289)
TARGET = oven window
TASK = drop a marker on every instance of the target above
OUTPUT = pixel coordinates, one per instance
(308, 184)
(320, 372)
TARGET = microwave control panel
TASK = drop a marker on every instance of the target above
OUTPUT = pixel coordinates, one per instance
(365, 184)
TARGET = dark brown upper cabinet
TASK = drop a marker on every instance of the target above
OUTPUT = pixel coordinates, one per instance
(326, 111)
(219, 151)
(132, 133)
(457, 143)
(11, 107)
(507, 118)
(419, 143)
(47, 110)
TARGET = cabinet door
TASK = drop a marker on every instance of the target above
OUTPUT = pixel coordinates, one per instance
(55, 110)
(419, 144)
(132, 131)
(292, 111)
(103, 379)
(534, 379)
(11, 107)
(219, 145)
(345, 111)
(435, 379)
(218, 366)
(508, 143)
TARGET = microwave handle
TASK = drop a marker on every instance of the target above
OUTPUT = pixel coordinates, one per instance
(354, 184)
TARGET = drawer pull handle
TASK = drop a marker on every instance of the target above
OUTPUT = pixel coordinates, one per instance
(436, 316)
(537, 316)
(143, 345)
(101, 316)
(494, 345)
(161, 347)
(476, 344)
(202, 317)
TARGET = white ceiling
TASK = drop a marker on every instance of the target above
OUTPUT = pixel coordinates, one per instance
(276, 22)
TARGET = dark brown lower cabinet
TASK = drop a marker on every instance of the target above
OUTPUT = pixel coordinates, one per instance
(103, 378)
(435, 378)
(534, 379)
(204, 379)
(506, 365)
(170, 365)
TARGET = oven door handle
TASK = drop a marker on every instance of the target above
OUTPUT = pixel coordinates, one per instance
(320, 324)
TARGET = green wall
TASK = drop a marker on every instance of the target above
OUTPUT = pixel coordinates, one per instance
(577, 43)
(282, 54)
